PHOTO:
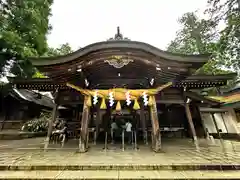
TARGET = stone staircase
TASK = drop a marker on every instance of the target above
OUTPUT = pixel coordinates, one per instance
(107, 172)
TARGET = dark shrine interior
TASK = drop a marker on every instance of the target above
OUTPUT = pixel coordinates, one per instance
(172, 119)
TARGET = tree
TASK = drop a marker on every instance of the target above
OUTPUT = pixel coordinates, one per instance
(227, 12)
(198, 36)
(24, 25)
(64, 49)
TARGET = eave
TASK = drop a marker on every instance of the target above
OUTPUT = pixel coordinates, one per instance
(192, 82)
(233, 98)
(121, 45)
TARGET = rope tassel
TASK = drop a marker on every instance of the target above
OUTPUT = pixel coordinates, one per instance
(89, 101)
(103, 104)
(136, 105)
(118, 107)
(150, 101)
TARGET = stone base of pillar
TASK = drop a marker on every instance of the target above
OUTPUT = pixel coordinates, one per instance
(46, 143)
(157, 149)
(157, 142)
(82, 150)
(211, 140)
(196, 143)
(82, 146)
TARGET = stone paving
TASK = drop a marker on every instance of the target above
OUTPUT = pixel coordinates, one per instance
(183, 156)
(119, 175)
(174, 152)
(28, 153)
(22, 143)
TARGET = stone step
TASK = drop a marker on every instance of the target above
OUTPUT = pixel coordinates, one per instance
(121, 167)
(107, 175)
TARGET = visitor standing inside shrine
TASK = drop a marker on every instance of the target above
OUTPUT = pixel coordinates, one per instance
(128, 127)
(114, 128)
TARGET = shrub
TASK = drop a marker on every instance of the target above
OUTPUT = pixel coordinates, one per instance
(37, 124)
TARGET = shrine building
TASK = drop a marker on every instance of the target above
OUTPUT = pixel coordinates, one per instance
(157, 91)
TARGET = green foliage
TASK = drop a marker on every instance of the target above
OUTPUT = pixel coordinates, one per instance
(198, 36)
(38, 124)
(227, 12)
(23, 29)
(38, 75)
(24, 26)
(64, 49)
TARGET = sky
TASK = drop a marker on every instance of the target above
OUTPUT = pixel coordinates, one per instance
(83, 22)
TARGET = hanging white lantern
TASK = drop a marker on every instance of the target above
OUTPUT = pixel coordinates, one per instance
(145, 99)
(111, 99)
(95, 98)
(128, 98)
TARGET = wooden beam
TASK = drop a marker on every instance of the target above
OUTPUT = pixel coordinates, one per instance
(217, 128)
(156, 134)
(203, 124)
(177, 101)
(51, 120)
(190, 121)
(234, 118)
(4, 114)
(84, 127)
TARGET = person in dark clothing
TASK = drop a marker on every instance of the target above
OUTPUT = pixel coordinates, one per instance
(135, 120)
(63, 132)
(60, 131)
(114, 128)
(55, 132)
(106, 121)
(57, 125)
(106, 126)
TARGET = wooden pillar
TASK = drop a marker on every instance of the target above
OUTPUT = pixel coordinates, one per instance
(216, 126)
(123, 142)
(51, 120)
(203, 124)
(225, 125)
(84, 127)
(190, 121)
(4, 111)
(219, 134)
(234, 120)
(4, 119)
(156, 134)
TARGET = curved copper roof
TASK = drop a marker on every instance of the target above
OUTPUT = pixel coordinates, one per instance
(123, 46)
(98, 63)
